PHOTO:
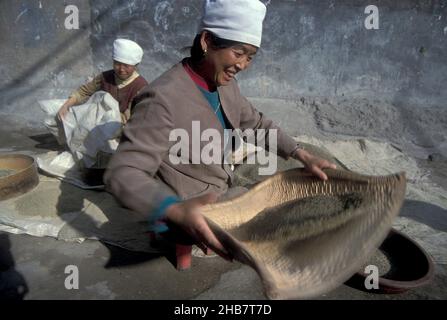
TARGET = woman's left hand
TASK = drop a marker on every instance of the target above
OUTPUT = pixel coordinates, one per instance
(313, 164)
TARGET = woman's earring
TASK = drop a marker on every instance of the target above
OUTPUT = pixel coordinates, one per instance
(205, 52)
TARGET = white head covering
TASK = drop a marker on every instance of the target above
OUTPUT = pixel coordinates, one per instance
(127, 51)
(237, 20)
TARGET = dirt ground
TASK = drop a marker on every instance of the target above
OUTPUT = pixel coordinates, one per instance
(33, 268)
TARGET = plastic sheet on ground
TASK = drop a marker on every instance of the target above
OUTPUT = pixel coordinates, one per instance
(90, 131)
(63, 166)
(66, 212)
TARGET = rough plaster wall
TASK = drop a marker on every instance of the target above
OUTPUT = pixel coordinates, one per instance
(310, 48)
(162, 28)
(322, 48)
(40, 58)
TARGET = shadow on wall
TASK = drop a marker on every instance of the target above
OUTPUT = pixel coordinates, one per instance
(10, 90)
(416, 129)
(12, 284)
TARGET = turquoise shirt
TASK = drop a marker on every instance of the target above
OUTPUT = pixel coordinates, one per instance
(214, 103)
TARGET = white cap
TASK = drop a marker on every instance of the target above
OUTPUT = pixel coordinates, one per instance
(237, 20)
(127, 51)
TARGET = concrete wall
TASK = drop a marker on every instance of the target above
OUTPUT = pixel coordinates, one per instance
(310, 48)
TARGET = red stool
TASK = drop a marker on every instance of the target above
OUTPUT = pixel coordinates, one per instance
(183, 252)
(183, 256)
(208, 251)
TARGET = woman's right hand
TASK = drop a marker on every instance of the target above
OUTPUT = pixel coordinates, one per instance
(187, 215)
(63, 112)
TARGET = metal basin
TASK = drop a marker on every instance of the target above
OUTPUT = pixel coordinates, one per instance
(408, 266)
(18, 175)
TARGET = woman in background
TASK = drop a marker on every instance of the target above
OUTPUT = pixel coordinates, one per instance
(123, 82)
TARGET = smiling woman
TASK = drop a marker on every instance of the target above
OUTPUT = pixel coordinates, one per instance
(219, 60)
(202, 89)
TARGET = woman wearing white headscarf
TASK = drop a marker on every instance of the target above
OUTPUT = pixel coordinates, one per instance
(201, 88)
(123, 82)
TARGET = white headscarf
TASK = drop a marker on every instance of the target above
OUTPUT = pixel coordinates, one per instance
(127, 51)
(237, 20)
